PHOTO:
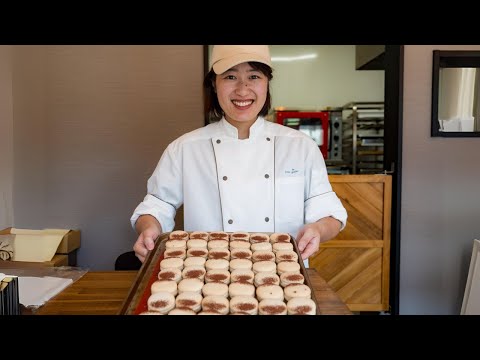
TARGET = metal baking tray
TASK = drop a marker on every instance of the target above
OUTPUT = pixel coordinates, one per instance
(136, 300)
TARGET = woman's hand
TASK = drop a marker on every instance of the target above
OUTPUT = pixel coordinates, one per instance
(308, 240)
(149, 229)
(311, 235)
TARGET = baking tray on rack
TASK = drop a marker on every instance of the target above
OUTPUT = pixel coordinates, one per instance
(136, 300)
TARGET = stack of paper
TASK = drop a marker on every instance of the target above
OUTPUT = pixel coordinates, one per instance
(35, 291)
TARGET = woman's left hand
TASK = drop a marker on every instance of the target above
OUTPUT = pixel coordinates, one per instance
(311, 235)
(308, 240)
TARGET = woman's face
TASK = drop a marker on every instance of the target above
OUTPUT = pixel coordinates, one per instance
(242, 92)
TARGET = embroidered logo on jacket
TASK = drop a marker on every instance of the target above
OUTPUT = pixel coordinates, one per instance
(291, 172)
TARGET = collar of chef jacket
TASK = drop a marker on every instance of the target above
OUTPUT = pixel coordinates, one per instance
(255, 130)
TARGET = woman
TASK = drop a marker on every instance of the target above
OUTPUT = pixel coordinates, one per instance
(241, 173)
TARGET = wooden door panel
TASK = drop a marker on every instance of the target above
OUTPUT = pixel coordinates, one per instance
(356, 263)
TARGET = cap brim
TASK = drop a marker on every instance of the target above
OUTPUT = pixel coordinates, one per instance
(223, 65)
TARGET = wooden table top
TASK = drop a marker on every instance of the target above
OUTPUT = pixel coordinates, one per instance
(103, 293)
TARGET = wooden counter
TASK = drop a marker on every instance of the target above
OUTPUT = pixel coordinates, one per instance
(103, 293)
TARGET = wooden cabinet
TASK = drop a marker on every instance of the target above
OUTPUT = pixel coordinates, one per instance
(356, 264)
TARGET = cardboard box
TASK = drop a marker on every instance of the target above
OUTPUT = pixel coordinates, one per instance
(66, 253)
(70, 242)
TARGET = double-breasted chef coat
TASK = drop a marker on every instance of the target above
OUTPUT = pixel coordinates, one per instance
(274, 181)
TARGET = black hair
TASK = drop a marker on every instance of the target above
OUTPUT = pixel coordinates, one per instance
(213, 111)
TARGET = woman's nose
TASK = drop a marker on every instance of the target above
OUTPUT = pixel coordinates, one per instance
(243, 84)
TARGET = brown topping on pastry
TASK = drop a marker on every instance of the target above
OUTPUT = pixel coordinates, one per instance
(216, 277)
(272, 310)
(283, 238)
(168, 275)
(186, 303)
(302, 310)
(159, 303)
(193, 274)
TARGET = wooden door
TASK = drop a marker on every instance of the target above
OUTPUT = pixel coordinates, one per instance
(356, 264)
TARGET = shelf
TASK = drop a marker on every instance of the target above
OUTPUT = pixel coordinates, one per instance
(363, 138)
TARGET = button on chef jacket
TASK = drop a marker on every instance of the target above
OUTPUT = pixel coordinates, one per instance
(274, 181)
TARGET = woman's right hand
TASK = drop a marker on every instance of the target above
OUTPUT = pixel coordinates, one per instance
(149, 229)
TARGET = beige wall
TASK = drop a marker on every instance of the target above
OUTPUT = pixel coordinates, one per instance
(91, 123)
(440, 199)
(6, 142)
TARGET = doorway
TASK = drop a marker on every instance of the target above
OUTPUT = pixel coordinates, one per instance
(392, 158)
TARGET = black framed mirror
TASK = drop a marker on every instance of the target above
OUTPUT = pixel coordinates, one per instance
(456, 94)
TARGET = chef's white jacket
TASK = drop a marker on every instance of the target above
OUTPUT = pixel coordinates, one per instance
(274, 181)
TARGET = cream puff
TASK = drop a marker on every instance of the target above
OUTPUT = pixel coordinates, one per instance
(281, 246)
(209, 312)
(176, 244)
(217, 264)
(162, 302)
(150, 312)
(170, 274)
(199, 235)
(262, 246)
(218, 235)
(217, 244)
(244, 304)
(265, 266)
(175, 253)
(182, 311)
(241, 254)
(197, 243)
(169, 286)
(216, 303)
(190, 285)
(194, 261)
(297, 290)
(239, 244)
(301, 306)
(191, 300)
(286, 255)
(222, 276)
(272, 307)
(259, 238)
(269, 292)
(194, 272)
(242, 275)
(265, 278)
(240, 235)
(236, 264)
(262, 255)
(171, 263)
(241, 289)
(215, 289)
(178, 235)
(288, 278)
(197, 252)
(219, 254)
(280, 237)
(288, 266)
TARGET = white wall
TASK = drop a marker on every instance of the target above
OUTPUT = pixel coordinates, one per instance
(6, 142)
(440, 198)
(330, 79)
(91, 123)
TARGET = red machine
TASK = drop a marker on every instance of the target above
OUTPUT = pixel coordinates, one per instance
(313, 123)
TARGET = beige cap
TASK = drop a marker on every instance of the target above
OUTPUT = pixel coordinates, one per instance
(225, 57)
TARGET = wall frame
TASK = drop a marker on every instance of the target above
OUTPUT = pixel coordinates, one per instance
(455, 94)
